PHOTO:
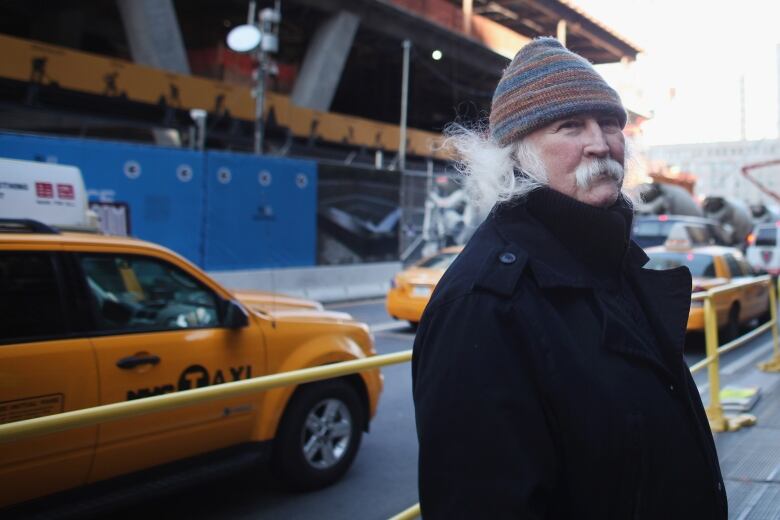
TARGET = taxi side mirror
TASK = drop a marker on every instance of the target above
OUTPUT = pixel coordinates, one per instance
(235, 316)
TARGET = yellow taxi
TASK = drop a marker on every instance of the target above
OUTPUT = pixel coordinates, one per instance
(88, 320)
(712, 266)
(411, 289)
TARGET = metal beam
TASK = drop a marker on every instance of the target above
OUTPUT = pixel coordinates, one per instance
(579, 24)
(400, 24)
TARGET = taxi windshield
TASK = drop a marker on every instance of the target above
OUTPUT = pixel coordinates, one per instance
(440, 261)
(699, 264)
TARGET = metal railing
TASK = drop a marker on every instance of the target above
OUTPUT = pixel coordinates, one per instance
(115, 411)
(719, 421)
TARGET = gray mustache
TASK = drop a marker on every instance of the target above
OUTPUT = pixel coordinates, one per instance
(589, 172)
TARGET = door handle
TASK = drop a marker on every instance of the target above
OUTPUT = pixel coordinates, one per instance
(129, 362)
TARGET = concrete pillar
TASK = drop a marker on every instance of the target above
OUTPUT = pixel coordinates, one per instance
(154, 37)
(324, 61)
(561, 33)
(468, 11)
(153, 34)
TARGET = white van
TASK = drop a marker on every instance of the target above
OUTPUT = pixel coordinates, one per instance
(53, 194)
(763, 251)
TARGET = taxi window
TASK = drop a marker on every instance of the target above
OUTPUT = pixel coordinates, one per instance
(734, 268)
(141, 293)
(699, 264)
(30, 299)
(698, 235)
(766, 236)
(745, 267)
(440, 261)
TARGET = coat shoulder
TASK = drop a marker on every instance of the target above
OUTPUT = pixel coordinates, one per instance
(488, 264)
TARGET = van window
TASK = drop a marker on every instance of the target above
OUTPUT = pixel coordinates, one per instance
(652, 228)
(766, 236)
(31, 306)
(142, 293)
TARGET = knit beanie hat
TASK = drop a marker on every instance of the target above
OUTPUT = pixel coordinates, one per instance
(546, 82)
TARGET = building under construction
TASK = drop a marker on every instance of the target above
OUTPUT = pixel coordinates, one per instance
(119, 88)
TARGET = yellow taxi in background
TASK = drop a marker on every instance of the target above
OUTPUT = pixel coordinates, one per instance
(712, 266)
(88, 320)
(411, 289)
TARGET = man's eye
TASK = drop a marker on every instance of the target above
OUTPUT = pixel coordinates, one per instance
(609, 122)
(572, 123)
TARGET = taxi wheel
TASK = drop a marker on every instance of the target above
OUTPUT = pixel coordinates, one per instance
(319, 435)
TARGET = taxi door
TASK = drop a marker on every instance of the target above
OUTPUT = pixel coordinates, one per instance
(44, 369)
(753, 298)
(158, 331)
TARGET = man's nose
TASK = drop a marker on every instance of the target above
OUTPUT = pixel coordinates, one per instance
(596, 144)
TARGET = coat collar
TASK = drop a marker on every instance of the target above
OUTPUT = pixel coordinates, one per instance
(552, 263)
(664, 294)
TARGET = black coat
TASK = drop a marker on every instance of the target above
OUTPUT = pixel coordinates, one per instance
(533, 399)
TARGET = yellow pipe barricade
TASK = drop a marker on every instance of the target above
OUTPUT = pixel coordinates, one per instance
(408, 514)
(719, 421)
(773, 364)
(112, 412)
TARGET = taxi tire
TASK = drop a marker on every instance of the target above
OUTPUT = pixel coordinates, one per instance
(288, 458)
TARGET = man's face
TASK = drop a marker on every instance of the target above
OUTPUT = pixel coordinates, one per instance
(583, 156)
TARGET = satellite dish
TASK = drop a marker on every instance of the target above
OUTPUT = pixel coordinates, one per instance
(244, 38)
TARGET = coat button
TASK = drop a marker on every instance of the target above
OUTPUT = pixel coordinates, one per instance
(507, 258)
(720, 486)
(671, 387)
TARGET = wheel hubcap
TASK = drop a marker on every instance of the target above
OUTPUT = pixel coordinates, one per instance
(326, 433)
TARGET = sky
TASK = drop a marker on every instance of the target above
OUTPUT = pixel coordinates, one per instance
(695, 54)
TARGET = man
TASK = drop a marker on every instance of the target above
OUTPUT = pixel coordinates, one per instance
(548, 374)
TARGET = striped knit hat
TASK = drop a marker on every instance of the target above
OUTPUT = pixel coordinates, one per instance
(546, 82)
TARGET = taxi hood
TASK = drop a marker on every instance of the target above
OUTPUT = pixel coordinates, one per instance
(268, 302)
(421, 276)
(280, 307)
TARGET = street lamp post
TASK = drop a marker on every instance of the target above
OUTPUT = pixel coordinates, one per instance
(260, 36)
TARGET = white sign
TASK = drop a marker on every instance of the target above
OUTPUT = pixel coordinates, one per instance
(53, 194)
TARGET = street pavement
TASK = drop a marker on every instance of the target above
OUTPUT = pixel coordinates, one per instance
(383, 479)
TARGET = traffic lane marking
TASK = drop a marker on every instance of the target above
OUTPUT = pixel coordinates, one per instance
(398, 335)
(354, 303)
(388, 325)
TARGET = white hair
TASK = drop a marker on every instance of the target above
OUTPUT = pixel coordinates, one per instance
(489, 170)
(494, 174)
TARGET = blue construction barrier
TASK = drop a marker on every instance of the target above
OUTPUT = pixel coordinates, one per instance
(183, 199)
(260, 212)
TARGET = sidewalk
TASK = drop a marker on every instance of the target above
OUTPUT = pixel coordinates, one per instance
(750, 457)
